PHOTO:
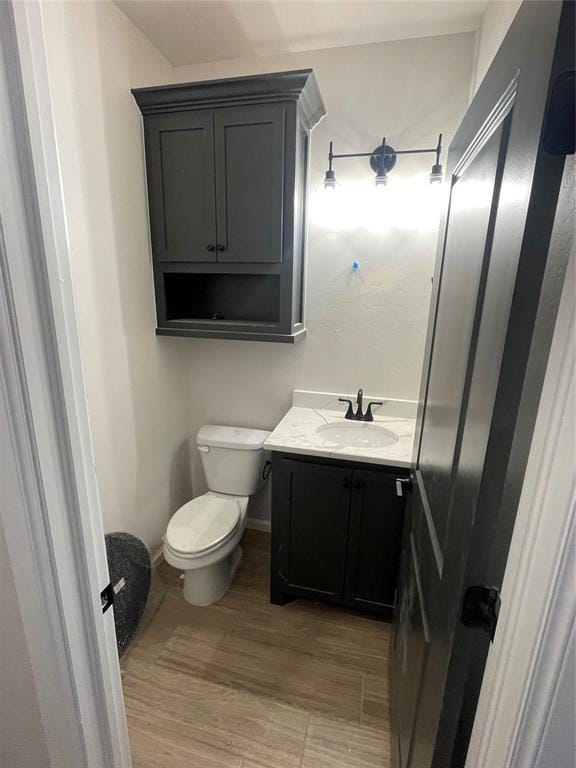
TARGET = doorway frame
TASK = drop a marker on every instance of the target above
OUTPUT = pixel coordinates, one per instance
(52, 519)
(525, 663)
(60, 533)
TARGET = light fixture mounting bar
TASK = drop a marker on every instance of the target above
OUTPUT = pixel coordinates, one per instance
(383, 160)
(396, 152)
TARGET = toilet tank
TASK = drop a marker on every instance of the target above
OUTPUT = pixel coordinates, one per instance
(233, 458)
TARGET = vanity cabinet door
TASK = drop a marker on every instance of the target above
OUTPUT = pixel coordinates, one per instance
(377, 519)
(181, 186)
(310, 511)
(250, 151)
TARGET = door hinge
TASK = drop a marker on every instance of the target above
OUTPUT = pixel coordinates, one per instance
(107, 597)
(400, 482)
(480, 609)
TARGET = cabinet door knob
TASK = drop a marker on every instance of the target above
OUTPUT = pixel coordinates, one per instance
(210, 247)
(220, 247)
(357, 484)
(346, 483)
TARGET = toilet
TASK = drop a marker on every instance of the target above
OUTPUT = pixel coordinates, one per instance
(203, 536)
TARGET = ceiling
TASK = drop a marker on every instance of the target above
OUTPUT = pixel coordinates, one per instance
(198, 31)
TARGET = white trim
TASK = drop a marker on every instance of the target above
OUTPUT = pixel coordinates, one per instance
(59, 533)
(157, 558)
(525, 660)
(256, 524)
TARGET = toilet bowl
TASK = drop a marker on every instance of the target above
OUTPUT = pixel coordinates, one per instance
(203, 536)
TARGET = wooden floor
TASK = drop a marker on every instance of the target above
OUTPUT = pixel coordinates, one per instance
(246, 684)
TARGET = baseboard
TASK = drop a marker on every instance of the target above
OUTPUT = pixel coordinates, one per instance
(157, 558)
(255, 524)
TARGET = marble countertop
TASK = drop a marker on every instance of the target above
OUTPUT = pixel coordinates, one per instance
(296, 433)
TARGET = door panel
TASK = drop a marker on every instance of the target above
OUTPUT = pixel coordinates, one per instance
(180, 157)
(465, 267)
(410, 652)
(473, 202)
(250, 182)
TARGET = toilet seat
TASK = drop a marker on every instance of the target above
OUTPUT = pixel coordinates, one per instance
(204, 524)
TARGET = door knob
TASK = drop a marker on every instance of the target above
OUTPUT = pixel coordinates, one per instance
(210, 247)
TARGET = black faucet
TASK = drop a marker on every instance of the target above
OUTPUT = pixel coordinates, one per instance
(358, 415)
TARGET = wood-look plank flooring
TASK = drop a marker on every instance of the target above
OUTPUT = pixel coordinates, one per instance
(246, 684)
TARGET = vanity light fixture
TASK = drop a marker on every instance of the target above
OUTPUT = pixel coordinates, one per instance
(382, 161)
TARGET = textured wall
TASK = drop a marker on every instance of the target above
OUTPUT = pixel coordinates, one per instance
(147, 395)
(365, 329)
(136, 383)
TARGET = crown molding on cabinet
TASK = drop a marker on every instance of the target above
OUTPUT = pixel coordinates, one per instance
(297, 85)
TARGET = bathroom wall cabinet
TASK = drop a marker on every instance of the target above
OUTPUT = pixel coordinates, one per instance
(336, 531)
(227, 171)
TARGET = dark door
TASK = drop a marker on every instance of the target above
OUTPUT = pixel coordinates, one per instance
(411, 642)
(311, 516)
(250, 183)
(377, 518)
(181, 188)
(496, 288)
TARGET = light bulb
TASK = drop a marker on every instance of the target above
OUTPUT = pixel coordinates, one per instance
(436, 175)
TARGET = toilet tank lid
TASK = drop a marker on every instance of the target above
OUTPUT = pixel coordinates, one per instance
(239, 438)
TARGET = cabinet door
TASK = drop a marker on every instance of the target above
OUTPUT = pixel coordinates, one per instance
(375, 539)
(311, 509)
(249, 145)
(181, 186)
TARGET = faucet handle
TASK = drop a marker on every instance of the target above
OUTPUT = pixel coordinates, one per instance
(350, 409)
(368, 416)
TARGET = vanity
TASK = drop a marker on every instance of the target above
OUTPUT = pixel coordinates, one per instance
(339, 489)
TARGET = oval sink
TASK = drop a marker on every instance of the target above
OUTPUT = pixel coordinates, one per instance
(349, 434)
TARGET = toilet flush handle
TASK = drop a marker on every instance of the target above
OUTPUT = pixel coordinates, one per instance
(204, 448)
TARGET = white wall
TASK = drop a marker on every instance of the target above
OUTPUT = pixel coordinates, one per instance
(136, 383)
(495, 23)
(365, 329)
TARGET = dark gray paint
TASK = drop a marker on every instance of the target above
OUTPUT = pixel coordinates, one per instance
(298, 86)
(473, 199)
(251, 334)
(250, 182)
(336, 531)
(181, 183)
(466, 489)
(374, 537)
(255, 131)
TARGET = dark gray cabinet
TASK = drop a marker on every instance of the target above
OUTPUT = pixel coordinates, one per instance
(227, 168)
(336, 532)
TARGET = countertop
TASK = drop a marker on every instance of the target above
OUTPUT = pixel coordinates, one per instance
(296, 433)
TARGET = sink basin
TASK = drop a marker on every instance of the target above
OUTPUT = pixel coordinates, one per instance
(356, 435)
